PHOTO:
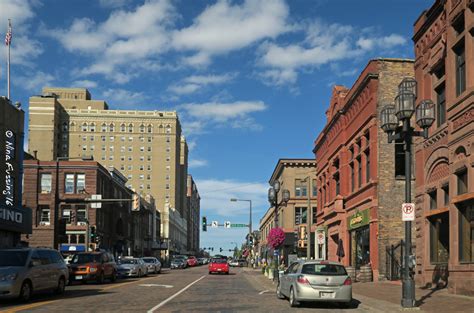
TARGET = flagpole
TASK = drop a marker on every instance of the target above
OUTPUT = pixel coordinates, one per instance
(8, 62)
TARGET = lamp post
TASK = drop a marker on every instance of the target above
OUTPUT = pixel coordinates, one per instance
(309, 219)
(273, 200)
(391, 116)
(250, 216)
(56, 200)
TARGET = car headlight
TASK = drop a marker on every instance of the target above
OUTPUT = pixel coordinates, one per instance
(93, 269)
(8, 277)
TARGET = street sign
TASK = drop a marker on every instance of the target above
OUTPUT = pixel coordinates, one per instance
(408, 212)
(214, 224)
(227, 224)
(96, 205)
(238, 225)
(321, 238)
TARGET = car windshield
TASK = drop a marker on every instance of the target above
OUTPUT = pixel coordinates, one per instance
(128, 261)
(85, 258)
(13, 258)
(149, 260)
(323, 269)
(219, 261)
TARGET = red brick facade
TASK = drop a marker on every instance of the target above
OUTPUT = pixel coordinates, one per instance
(444, 70)
(359, 197)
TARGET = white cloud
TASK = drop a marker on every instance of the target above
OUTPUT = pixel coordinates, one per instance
(123, 42)
(194, 83)
(113, 3)
(216, 194)
(224, 27)
(222, 112)
(84, 84)
(385, 42)
(123, 96)
(193, 163)
(34, 82)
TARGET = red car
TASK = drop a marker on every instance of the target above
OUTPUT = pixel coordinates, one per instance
(192, 261)
(218, 266)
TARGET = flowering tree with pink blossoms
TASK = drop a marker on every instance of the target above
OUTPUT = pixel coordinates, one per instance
(276, 237)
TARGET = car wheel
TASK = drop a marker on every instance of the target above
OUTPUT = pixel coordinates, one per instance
(227, 273)
(278, 292)
(293, 302)
(210, 273)
(100, 278)
(25, 291)
(139, 273)
(159, 271)
(61, 286)
(113, 278)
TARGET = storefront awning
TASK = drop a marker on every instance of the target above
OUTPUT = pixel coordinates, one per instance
(72, 248)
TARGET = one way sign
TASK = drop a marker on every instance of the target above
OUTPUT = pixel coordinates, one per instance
(227, 224)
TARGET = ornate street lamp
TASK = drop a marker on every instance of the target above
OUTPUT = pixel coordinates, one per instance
(390, 118)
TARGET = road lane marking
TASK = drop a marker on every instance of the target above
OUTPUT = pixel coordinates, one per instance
(162, 303)
(26, 307)
(262, 292)
(155, 285)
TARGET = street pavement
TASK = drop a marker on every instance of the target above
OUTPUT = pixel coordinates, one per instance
(193, 290)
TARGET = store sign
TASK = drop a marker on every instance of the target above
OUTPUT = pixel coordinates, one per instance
(359, 219)
(8, 191)
(320, 238)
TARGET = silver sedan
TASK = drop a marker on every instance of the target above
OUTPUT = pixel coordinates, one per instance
(314, 281)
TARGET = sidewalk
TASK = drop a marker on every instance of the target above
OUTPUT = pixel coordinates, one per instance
(385, 296)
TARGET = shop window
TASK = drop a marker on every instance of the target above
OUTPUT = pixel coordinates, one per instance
(439, 238)
(441, 105)
(462, 182)
(466, 233)
(300, 215)
(300, 188)
(460, 57)
(399, 158)
(360, 247)
(433, 202)
(82, 239)
(45, 183)
(445, 195)
(73, 239)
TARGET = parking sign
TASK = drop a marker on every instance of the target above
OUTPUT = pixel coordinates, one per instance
(408, 212)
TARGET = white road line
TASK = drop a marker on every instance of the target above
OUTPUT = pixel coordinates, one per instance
(159, 305)
(262, 292)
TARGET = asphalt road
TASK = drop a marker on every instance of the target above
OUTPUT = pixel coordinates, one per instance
(189, 290)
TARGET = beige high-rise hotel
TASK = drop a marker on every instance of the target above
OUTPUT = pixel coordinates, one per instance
(146, 146)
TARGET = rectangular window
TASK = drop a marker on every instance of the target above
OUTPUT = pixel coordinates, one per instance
(80, 182)
(446, 195)
(45, 183)
(338, 183)
(367, 165)
(441, 105)
(399, 158)
(433, 201)
(352, 176)
(45, 214)
(300, 215)
(314, 220)
(315, 188)
(460, 55)
(359, 174)
(466, 233)
(69, 184)
(66, 213)
(81, 214)
(300, 188)
(462, 182)
(439, 238)
(142, 149)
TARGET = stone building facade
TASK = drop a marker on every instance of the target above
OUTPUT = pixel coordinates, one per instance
(360, 176)
(298, 176)
(193, 215)
(444, 70)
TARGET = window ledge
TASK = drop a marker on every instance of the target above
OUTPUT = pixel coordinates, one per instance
(464, 197)
(436, 211)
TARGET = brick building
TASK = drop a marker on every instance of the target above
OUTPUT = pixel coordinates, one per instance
(360, 175)
(110, 227)
(444, 70)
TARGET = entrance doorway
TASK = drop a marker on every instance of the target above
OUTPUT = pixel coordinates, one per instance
(360, 247)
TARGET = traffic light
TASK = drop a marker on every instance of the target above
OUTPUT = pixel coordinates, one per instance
(93, 234)
(204, 223)
(251, 240)
(220, 249)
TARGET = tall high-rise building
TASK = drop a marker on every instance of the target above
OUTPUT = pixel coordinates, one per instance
(146, 146)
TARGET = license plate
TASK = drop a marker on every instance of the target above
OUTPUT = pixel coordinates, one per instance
(79, 277)
(219, 270)
(326, 295)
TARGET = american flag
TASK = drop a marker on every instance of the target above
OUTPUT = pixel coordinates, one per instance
(8, 37)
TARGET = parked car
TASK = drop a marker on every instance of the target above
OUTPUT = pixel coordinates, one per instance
(93, 266)
(178, 263)
(182, 258)
(201, 261)
(233, 263)
(314, 281)
(24, 271)
(132, 267)
(192, 261)
(153, 264)
(218, 266)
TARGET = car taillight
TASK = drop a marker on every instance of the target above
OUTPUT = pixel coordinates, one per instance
(302, 280)
(348, 281)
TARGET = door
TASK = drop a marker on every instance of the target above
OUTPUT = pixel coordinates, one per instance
(48, 269)
(286, 279)
(36, 272)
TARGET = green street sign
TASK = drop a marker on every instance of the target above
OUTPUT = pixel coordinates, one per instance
(239, 225)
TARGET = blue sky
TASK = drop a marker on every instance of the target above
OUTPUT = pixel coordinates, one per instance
(250, 80)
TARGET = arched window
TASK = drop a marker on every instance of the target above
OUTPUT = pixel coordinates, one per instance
(122, 128)
(84, 127)
(92, 127)
(150, 128)
(142, 128)
(168, 129)
(130, 128)
(104, 127)
(111, 127)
